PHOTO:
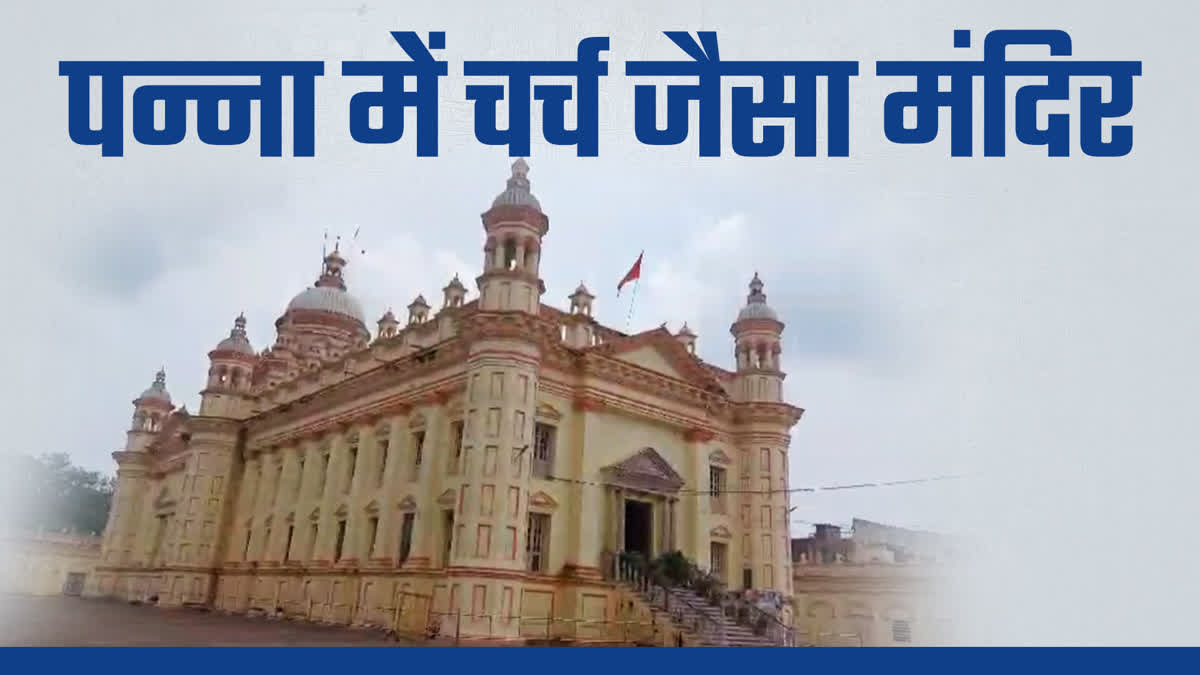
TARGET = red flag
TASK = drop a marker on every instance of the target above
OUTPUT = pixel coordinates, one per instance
(634, 273)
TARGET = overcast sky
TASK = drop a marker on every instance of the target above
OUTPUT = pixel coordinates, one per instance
(1026, 319)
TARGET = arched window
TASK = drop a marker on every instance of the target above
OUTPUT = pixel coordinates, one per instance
(510, 254)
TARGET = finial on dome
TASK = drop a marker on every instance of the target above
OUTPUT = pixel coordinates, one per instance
(756, 290)
(756, 303)
(158, 390)
(517, 192)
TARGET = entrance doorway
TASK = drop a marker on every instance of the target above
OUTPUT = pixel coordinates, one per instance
(74, 583)
(638, 527)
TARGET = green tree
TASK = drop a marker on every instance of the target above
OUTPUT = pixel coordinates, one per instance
(53, 494)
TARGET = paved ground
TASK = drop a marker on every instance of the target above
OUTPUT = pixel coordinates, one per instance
(55, 621)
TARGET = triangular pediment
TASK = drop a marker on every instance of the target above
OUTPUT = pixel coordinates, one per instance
(645, 470)
(542, 500)
(446, 498)
(548, 412)
(660, 352)
(720, 532)
(651, 357)
(408, 504)
(719, 457)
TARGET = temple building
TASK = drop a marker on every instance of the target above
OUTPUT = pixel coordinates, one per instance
(484, 462)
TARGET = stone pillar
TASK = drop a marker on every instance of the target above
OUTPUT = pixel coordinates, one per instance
(245, 507)
(327, 530)
(672, 544)
(393, 490)
(427, 529)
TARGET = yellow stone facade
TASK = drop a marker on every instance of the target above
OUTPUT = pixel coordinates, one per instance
(477, 466)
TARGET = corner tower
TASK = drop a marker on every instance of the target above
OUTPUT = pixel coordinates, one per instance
(757, 335)
(494, 448)
(515, 226)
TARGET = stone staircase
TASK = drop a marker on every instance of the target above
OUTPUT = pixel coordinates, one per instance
(706, 622)
(717, 628)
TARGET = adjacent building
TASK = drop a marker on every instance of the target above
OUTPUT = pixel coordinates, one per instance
(480, 463)
(47, 563)
(882, 586)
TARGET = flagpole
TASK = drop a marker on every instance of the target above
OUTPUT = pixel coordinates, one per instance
(628, 318)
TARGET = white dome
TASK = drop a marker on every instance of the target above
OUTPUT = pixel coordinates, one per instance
(329, 299)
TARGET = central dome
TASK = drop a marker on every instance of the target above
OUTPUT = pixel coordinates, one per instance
(329, 299)
(329, 293)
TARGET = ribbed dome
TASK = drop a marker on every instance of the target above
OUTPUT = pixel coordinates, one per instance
(237, 341)
(517, 192)
(757, 311)
(329, 299)
(158, 390)
(756, 303)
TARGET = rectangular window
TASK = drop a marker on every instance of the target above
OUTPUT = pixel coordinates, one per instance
(716, 483)
(299, 480)
(456, 447)
(764, 460)
(747, 578)
(765, 520)
(287, 548)
(383, 458)
(372, 532)
(537, 542)
(418, 441)
(510, 544)
(717, 552)
(901, 631)
(312, 541)
(353, 464)
(543, 451)
(324, 473)
(339, 541)
(483, 541)
(406, 531)
(447, 535)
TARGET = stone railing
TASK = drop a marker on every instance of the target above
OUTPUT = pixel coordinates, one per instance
(735, 605)
(634, 572)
